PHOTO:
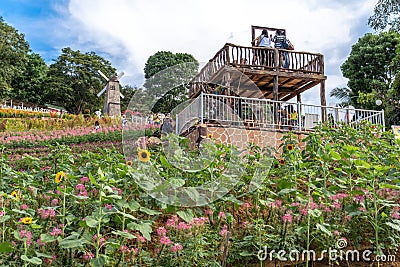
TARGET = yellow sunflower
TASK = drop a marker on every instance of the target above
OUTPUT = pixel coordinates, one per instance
(210, 135)
(290, 147)
(59, 176)
(144, 155)
(27, 220)
(282, 161)
(129, 163)
(14, 194)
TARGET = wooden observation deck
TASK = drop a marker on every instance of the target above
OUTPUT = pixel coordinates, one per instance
(260, 72)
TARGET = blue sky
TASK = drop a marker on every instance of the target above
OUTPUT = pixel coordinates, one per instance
(127, 32)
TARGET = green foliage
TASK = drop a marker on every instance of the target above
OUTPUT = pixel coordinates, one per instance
(73, 81)
(28, 85)
(167, 75)
(386, 15)
(13, 53)
(373, 70)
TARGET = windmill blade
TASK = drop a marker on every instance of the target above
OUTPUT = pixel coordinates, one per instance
(121, 74)
(102, 91)
(102, 74)
(121, 95)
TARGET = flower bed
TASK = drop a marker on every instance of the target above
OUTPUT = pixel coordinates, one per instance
(85, 209)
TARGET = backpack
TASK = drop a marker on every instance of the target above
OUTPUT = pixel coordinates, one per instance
(286, 45)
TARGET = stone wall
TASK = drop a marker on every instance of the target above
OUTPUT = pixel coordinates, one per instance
(240, 136)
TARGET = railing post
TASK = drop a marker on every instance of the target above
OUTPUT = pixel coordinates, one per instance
(201, 108)
(299, 115)
(227, 55)
(383, 119)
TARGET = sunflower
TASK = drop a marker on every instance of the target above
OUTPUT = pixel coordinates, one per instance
(144, 155)
(290, 147)
(282, 161)
(129, 163)
(14, 194)
(210, 135)
(27, 220)
(59, 176)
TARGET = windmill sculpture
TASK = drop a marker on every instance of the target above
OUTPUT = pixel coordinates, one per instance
(112, 106)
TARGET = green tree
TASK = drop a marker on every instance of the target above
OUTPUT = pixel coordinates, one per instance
(13, 55)
(73, 81)
(166, 71)
(386, 15)
(141, 100)
(373, 72)
(28, 85)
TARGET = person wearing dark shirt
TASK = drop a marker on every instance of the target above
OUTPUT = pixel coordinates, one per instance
(282, 43)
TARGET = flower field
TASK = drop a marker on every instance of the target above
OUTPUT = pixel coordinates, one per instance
(64, 206)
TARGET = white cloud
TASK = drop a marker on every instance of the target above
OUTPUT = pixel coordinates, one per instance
(129, 31)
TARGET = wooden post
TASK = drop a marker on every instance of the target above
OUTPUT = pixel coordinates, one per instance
(298, 97)
(276, 77)
(276, 92)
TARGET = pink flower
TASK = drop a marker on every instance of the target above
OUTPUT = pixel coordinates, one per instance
(164, 240)
(88, 256)
(221, 214)
(245, 224)
(313, 206)
(336, 205)
(84, 179)
(176, 247)
(224, 230)
(171, 222)
(56, 231)
(363, 209)
(336, 232)
(80, 187)
(101, 241)
(198, 221)
(359, 198)
(246, 205)
(40, 243)
(45, 214)
(23, 207)
(83, 193)
(303, 211)
(395, 215)
(119, 191)
(27, 235)
(54, 202)
(208, 212)
(124, 249)
(161, 231)
(287, 218)
(141, 239)
(108, 206)
(183, 226)
(277, 204)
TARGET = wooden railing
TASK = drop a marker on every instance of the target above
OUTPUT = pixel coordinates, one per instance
(258, 58)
